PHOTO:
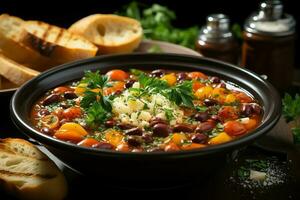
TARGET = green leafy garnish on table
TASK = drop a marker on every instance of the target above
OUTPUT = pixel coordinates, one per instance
(291, 112)
(157, 24)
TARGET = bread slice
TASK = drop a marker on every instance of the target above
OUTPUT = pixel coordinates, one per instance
(14, 72)
(111, 33)
(56, 43)
(10, 32)
(27, 173)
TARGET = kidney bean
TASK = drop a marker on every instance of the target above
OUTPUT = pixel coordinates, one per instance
(52, 98)
(249, 109)
(246, 110)
(210, 102)
(158, 73)
(147, 138)
(44, 112)
(103, 145)
(205, 127)
(182, 76)
(70, 95)
(215, 79)
(47, 131)
(155, 149)
(125, 126)
(129, 83)
(134, 140)
(201, 116)
(134, 131)
(157, 120)
(109, 123)
(199, 138)
(186, 128)
(161, 130)
(215, 118)
(222, 85)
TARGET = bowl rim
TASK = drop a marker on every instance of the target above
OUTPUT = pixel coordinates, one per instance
(56, 143)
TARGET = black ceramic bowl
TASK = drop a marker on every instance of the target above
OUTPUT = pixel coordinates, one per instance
(144, 166)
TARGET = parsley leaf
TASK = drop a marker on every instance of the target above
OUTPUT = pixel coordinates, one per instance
(96, 114)
(181, 94)
(94, 80)
(291, 107)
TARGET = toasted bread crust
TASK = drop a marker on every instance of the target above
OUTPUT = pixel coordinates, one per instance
(14, 72)
(98, 29)
(54, 42)
(10, 33)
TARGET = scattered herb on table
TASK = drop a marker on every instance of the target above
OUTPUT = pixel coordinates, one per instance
(291, 112)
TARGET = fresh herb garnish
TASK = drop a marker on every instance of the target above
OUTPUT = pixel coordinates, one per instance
(95, 80)
(169, 114)
(181, 94)
(97, 107)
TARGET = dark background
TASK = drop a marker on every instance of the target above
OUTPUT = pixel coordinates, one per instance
(189, 12)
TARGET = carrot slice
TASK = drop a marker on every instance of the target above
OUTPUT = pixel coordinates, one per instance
(88, 142)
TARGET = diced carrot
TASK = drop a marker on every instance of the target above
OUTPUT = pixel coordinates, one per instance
(169, 78)
(73, 127)
(72, 112)
(117, 75)
(124, 147)
(234, 128)
(192, 146)
(113, 137)
(203, 92)
(242, 97)
(227, 113)
(250, 124)
(61, 90)
(68, 135)
(197, 85)
(221, 138)
(88, 142)
(178, 138)
(171, 147)
(116, 86)
(197, 75)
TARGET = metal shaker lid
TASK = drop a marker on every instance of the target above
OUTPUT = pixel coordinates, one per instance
(217, 28)
(270, 20)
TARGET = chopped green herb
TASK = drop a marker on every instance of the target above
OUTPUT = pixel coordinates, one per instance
(169, 114)
(94, 80)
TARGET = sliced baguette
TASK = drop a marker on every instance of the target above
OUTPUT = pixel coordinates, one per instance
(27, 173)
(10, 32)
(111, 33)
(56, 43)
(14, 72)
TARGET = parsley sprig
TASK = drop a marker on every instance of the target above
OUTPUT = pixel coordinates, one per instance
(181, 94)
(95, 80)
(291, 112)
(97, 107)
